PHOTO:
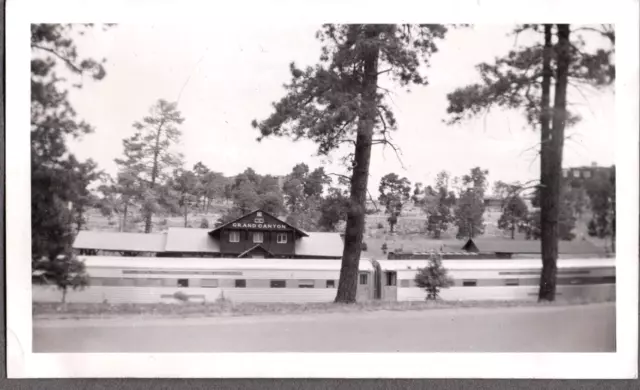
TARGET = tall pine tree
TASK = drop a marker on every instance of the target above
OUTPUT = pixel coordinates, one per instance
(58, 179)
(150, 154)
(340, 101)
(522, 80)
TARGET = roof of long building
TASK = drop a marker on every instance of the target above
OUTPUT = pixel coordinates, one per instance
(192, 240)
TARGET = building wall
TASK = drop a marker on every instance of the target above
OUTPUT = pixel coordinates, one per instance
(246, 242)
(255, 222)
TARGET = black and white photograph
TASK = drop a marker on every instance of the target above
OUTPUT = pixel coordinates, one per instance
(306, 195)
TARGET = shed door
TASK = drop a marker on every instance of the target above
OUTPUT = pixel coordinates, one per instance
(389, 286)
(365, 283)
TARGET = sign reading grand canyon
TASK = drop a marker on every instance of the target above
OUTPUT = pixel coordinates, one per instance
(275, 226)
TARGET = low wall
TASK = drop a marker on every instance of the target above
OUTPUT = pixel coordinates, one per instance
(597, 292)
(100, 294)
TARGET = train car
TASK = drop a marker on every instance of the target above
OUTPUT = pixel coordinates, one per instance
(498, 279)
(164, 279)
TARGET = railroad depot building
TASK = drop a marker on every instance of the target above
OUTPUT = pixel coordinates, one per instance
(254, 235)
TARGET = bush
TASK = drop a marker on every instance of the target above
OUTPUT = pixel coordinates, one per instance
(384, 248)
(179, 295)
(380, 225)
(364, 246)
(433, 277)
(204, 223)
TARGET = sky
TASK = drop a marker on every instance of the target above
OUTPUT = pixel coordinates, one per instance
(224, 78)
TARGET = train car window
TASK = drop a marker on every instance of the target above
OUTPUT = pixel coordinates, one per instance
(364, 279)
(94, 282)
(305, 284)
(512, 282)
(404, 283)
(209, 283)
(154, 282)
(234, 236)
(240, 283)
(469, 283)
(331, 284)
(278, 284)
(390, 278)
(608, 279)
(127, 282)
(183, 282)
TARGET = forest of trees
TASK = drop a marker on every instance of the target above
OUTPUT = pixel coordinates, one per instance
(337, 102)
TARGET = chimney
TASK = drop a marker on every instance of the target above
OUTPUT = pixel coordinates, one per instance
(594, 164)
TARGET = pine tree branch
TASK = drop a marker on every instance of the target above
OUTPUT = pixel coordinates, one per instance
(60, 56)
(368, 192)
(605, 32)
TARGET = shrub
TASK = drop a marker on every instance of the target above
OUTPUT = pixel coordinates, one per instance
(204, 223)
(179, 295)
(433, 277)
(364, 246)
(380, 225)
(384, 248)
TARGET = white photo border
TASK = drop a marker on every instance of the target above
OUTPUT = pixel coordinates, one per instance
(23, 363)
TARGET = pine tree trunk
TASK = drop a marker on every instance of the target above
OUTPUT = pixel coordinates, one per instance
(186, 213)
(123, 227)
(348, 284)
(550, 194)
(64, 295)
(154, 176)
(548, 233)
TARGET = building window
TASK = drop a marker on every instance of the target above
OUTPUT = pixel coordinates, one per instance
(331, 284)
(390, 279)
(364, 278)
(209, 283)
(565, 173)
(278, 284)
(586, 174)
(259, 220)
(234, 236)
(512, 282)
(258, 237)
(259, 214)
(305, 284)
(241, 283)
(281, 238)
(469, 283)
(576, 173)
(404, 283)
(183, 282)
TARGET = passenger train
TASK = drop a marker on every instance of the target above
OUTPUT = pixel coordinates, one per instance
(164, 279)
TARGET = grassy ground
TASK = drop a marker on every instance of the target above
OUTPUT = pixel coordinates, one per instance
(44, 311)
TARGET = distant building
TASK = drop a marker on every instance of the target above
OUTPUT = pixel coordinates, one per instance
(492, 204)
(507, 248)
(585, 172)
(256, 235)
(492, 248)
